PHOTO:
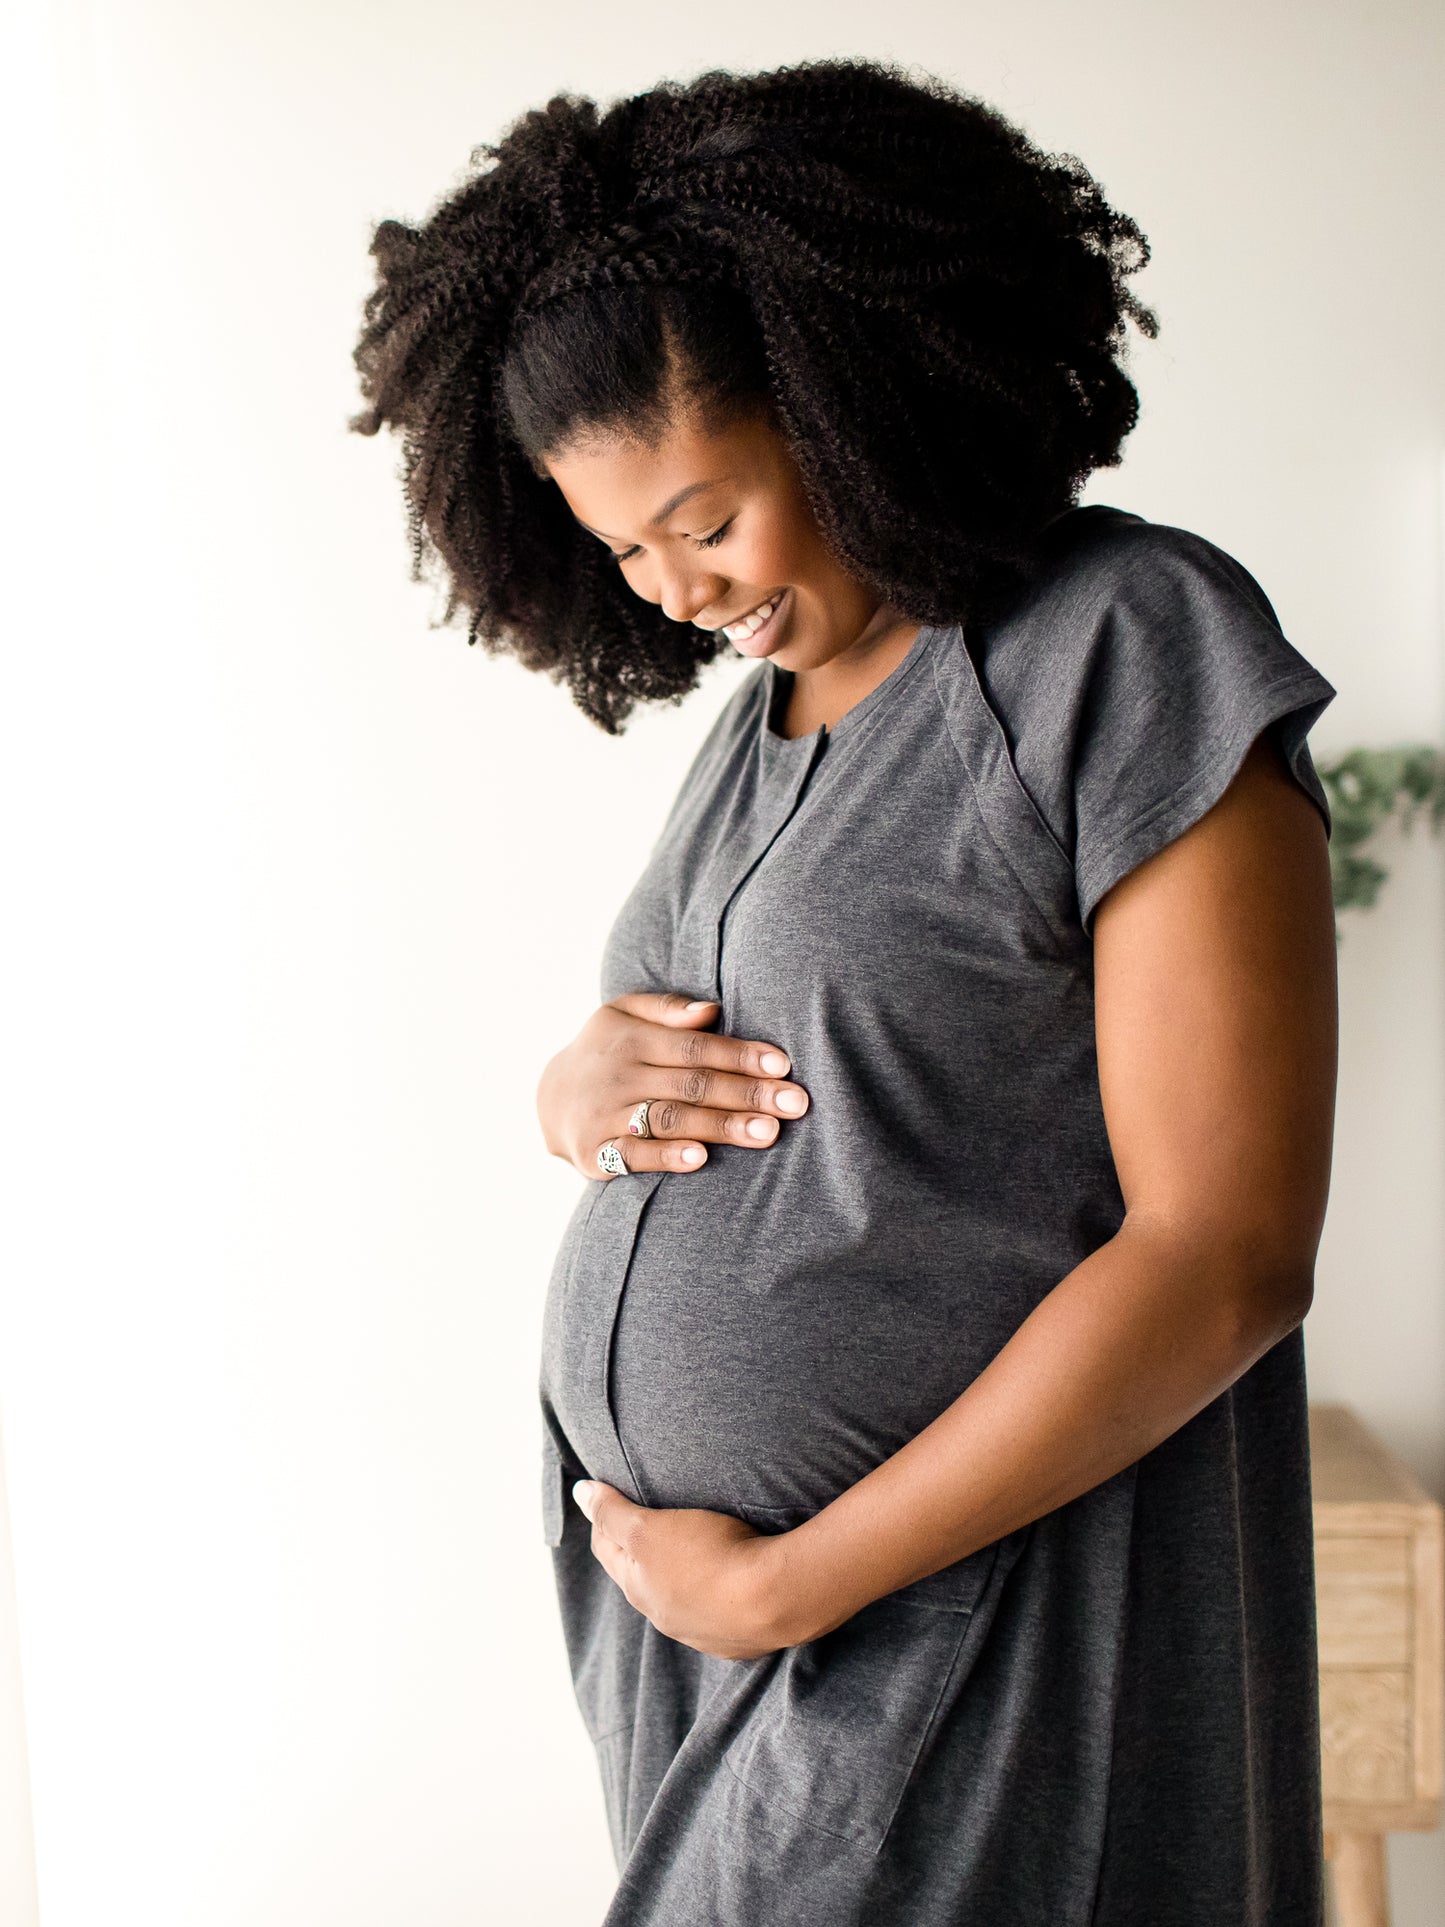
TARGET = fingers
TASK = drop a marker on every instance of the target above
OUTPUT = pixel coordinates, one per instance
(702, 1087)
(707, 1050)
(675, 1092)
(667, 1007)
(668, 1117)
(651, 1154)
(606, 1508)
(680, 1041)
(678, 1131)
(614, 1520)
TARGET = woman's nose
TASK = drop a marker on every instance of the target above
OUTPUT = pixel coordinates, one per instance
(684, 593)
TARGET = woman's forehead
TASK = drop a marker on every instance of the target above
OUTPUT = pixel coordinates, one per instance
(640, 484)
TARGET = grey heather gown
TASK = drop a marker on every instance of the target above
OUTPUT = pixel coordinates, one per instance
(1108, 1718)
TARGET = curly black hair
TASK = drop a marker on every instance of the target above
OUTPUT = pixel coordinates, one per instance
(929, 308)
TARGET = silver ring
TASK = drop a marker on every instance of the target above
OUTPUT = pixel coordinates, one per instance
(637, 1123)
(611, 1159)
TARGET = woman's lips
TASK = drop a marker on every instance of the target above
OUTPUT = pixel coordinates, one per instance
(761, 640)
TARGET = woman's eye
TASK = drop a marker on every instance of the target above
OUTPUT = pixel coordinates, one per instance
(700, 541)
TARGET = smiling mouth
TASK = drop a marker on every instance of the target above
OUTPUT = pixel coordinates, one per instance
(754, 620)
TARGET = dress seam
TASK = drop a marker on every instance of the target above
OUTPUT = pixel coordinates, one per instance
(1050, 920)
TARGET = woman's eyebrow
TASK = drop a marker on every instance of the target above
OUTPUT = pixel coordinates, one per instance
(673, 502)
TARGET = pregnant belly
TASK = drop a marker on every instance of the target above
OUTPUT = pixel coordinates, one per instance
(775, 1400)
(705, 1347)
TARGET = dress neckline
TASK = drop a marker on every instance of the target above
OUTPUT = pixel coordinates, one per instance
(778, 687)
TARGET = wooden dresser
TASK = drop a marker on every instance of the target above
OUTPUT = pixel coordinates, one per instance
(1380, 1577)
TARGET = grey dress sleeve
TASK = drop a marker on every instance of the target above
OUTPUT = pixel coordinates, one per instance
(1136, 685)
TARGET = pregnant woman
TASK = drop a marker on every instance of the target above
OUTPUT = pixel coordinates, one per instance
(925, 1434)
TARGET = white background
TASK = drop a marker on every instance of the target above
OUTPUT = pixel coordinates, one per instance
(300, 893)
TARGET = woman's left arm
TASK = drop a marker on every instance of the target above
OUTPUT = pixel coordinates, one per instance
(1216, 1037)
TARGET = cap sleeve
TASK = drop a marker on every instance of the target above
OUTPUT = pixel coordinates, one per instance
(1135, 690)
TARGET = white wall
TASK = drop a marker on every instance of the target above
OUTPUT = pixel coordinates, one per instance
(303, 893)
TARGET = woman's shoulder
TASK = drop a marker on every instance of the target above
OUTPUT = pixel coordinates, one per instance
(1127, 617)
(1097, 554)
(1130, 681)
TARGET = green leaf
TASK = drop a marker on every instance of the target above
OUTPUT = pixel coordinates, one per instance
(1368, 788)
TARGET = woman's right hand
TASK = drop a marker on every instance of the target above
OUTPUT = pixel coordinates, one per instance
(702, 1087)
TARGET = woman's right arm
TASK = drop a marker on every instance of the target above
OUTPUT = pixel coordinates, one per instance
(702, 1087)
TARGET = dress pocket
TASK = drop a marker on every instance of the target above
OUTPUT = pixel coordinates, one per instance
(842, 1723)
(554, 1498)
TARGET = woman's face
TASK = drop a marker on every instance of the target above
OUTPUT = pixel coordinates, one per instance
(714, 525)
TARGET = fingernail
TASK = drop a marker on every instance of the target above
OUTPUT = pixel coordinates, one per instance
(582, 1493)
(775, 1064)
(762, 1127)
(691, 1155)
(700, 1003)
(791, 1100)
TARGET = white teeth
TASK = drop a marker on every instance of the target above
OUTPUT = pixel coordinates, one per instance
(749, 626)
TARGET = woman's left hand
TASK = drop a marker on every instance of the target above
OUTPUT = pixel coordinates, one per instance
(703, 1578)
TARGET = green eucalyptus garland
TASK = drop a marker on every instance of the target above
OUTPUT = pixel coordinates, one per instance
(1368, 788)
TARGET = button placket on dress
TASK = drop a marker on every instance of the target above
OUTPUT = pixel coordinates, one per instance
(786, 767)
(785, 778)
